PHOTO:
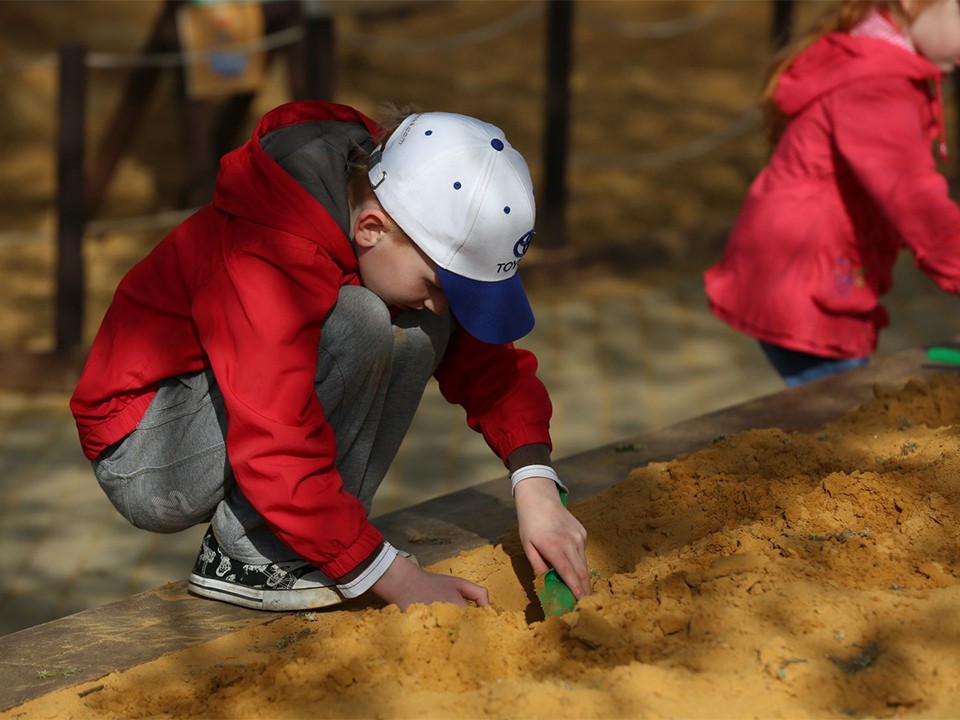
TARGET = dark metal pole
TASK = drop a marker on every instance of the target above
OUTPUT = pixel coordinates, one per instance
(200, 160)
(559, 25)
(782, 26)
(312, 59)
(71, 213)
(317, 53)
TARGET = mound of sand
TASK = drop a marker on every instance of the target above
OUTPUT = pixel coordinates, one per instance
(769, 574)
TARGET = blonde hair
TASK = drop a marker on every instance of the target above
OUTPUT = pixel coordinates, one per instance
(841, 16)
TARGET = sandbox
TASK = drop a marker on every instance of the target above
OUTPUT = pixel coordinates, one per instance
(795, 556)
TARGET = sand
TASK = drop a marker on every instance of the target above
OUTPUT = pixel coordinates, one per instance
(769, 574)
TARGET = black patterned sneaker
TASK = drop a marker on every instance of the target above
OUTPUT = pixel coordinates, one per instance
(282, 586)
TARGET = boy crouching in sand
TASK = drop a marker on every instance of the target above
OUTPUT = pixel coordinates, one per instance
(259, 368)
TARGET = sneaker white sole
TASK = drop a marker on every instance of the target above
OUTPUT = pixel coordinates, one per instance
(263, 599)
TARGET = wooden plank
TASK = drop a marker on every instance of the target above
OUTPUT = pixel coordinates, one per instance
(143, 627)
(93, 643)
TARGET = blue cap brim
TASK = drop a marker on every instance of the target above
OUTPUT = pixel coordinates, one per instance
(494, 312)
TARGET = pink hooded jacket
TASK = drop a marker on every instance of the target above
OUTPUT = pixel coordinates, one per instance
(851, 181)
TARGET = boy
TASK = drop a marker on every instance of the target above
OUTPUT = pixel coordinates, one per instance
(260, 367)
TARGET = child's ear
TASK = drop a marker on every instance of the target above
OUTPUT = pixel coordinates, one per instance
(369, 227)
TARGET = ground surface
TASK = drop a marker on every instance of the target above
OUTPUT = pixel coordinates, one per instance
(769, 574)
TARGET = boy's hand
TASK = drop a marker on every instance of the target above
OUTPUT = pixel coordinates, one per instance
(404, 584)
(551, 536)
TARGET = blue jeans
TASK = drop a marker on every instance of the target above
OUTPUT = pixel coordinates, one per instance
(173, 472)
(797, 368)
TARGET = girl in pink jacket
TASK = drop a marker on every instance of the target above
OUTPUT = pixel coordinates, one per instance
(853, 110)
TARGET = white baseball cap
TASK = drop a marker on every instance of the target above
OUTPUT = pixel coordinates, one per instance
(464, 195)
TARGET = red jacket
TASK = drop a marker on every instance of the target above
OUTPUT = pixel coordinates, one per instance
(851, 182)
(243, 287)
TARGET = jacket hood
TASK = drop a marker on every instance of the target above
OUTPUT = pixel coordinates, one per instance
(837, 59)
(291, 174)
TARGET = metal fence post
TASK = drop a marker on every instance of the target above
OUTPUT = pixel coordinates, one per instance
(782, 23)
(71, 211)
(560, 22)
(317, 52)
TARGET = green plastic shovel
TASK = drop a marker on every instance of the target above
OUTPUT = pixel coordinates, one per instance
(947, 355)
(555, 597)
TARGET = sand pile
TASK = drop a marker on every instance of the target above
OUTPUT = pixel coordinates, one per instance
(770, 574)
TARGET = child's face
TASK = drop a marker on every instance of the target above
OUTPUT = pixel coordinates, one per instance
(398, 271)
(935, 32)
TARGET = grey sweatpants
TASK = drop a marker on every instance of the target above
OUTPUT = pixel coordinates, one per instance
(172, 471)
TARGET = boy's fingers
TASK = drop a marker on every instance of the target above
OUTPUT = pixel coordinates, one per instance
(536, 560)
(474, 592)
(576, 576)
(573, 582)
(570, 565)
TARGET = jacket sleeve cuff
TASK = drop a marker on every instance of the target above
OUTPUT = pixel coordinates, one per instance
(358, 582)
(533, 454)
